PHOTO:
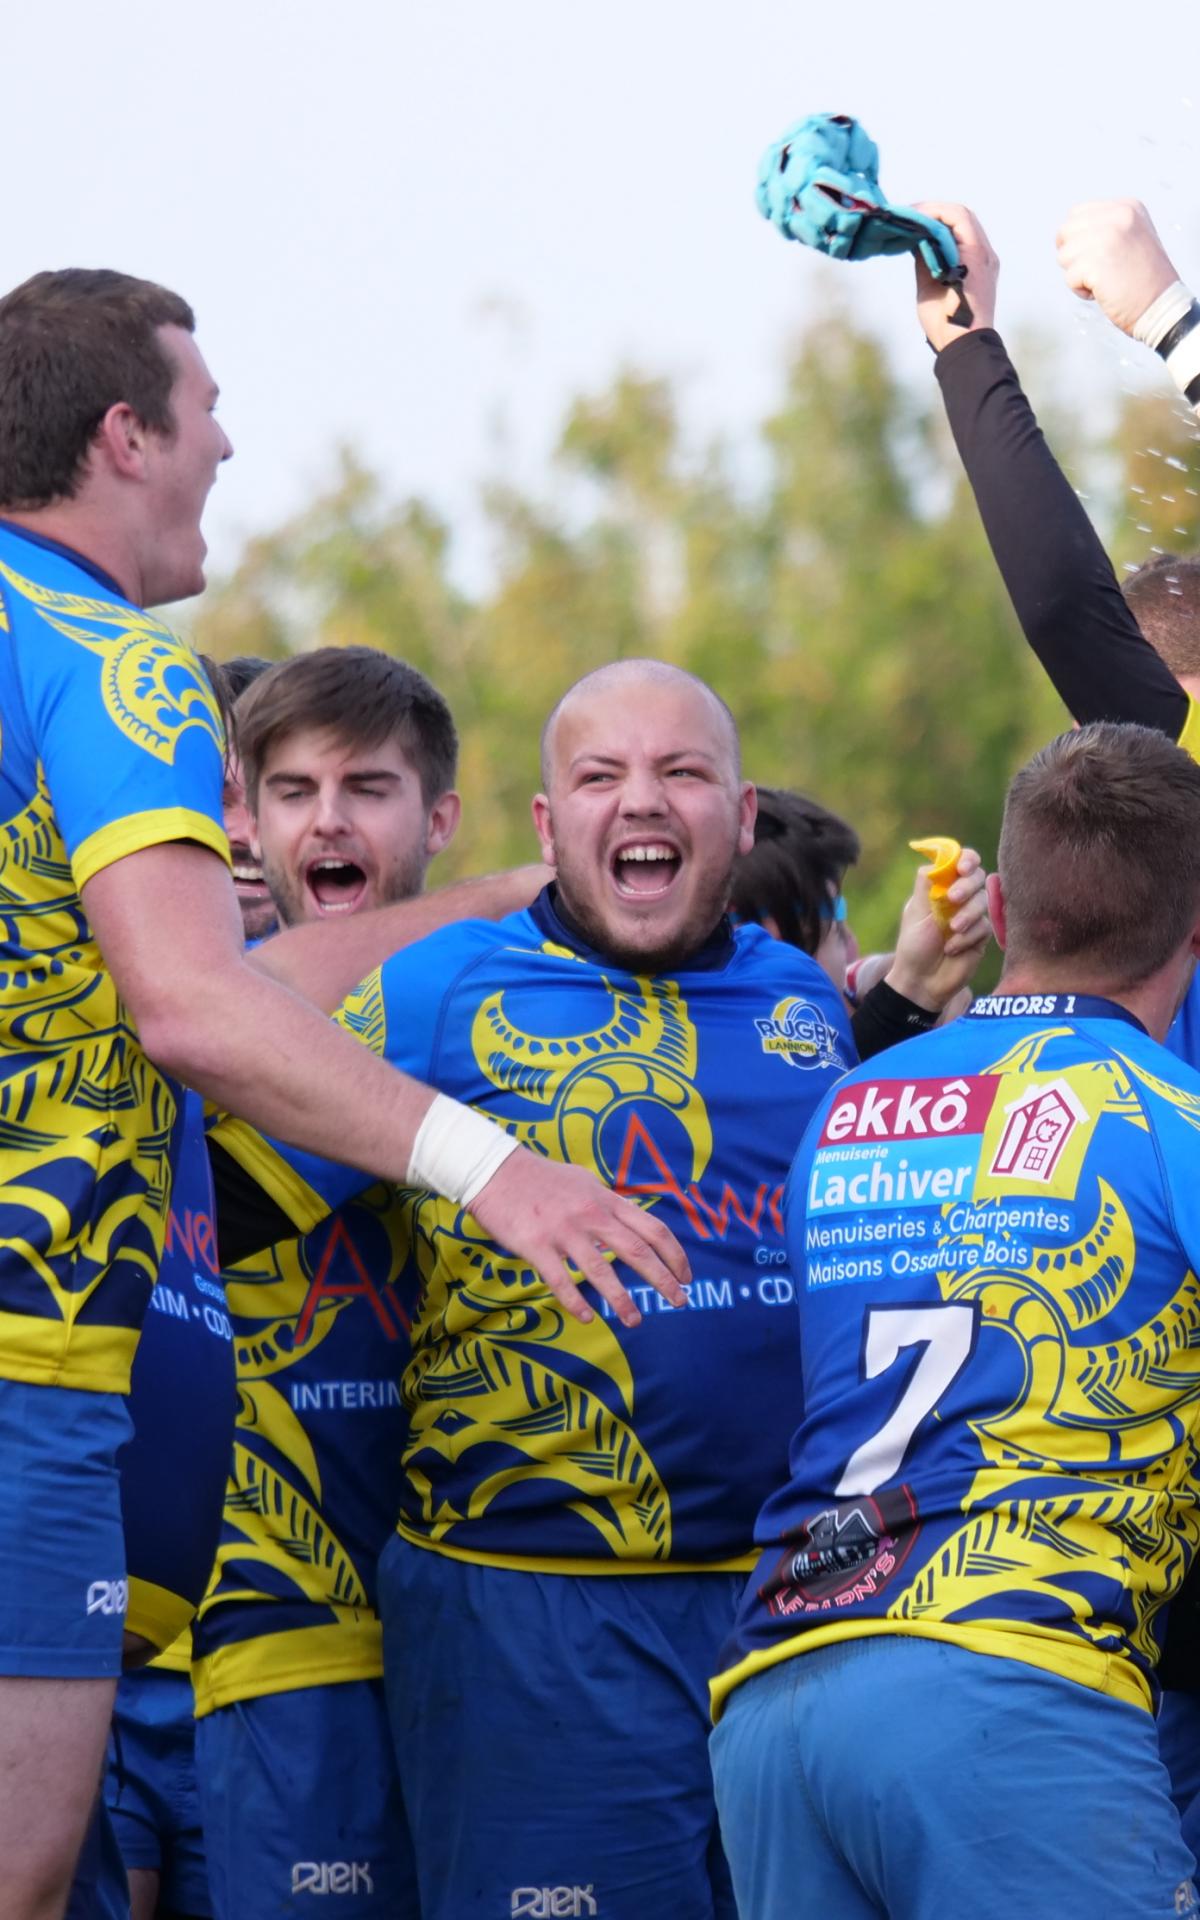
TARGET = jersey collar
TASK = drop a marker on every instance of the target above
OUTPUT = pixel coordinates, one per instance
(76, 559)
(554, 923)
(1049, 1006)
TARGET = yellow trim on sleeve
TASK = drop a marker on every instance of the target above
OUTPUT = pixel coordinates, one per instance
(137, 830)
(178, 1656)
(267, 1167)
(348, 1649)
(159, 1615)
(524, 1563)
(50, 1353)
(1054, 1652)
(1189, 737)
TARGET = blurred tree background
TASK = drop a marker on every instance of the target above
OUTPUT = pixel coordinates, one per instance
(846, 605)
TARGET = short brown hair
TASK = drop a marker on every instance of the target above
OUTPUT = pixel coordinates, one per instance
(72, 345)
(360, 695)
(1100, 853)
(1164, 597)
(799, 857)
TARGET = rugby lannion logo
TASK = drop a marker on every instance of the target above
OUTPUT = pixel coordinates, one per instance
(801, 1035)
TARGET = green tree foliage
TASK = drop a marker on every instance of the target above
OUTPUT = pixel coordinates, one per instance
(846, 605)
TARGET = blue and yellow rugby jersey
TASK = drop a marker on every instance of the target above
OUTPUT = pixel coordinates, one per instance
(1184, 1036)
(182, 1400)
(995, 1234)
(599, 1448)
(110, 741)
(321, 1337)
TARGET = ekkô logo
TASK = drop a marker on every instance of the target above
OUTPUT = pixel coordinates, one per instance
(910, 1109)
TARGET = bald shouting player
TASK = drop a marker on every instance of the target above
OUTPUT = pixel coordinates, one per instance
(578, 1497)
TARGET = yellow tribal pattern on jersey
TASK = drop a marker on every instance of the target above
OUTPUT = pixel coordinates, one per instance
(1132, 1390)
(1043, 1502)
(149, 683)
(110, 741)
(313, 1485)
(491, 1371)
(535, 1440)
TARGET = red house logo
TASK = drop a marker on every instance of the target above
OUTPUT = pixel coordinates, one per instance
(1039, 1124)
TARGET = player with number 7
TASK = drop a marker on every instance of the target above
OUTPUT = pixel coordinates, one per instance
(938, 1697)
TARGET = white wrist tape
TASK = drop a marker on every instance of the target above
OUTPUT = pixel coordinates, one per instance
(457, 1151)
(1171, 325)
(1163, 314)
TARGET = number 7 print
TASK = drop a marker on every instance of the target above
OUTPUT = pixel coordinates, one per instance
(947, 1333)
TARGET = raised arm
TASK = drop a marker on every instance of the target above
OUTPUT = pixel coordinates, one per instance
(167, 922)
(1057, 574)
(325, 959)
(1110, 252)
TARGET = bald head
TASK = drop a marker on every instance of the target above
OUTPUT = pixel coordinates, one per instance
(643, 810)
(623, 678)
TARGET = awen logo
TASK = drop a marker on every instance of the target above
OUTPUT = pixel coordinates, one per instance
(910, 1109)
(563, 1903)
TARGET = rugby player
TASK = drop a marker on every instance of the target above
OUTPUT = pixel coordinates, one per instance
(790, 882)
(1130, 653)
(938, 1695)
(124, 975)
(253, 893)
(577, 1501)
(350, 760)
(182, 1400)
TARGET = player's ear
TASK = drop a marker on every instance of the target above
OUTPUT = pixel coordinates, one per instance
(441, 825)
(997, 910)
(748, 807)
(543, 826)
(120, 441)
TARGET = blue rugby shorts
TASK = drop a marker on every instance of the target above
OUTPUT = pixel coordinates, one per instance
(63, 1593)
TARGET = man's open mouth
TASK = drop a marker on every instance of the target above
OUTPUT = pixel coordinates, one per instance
(335, 885)
(248, 877)
(645, 869)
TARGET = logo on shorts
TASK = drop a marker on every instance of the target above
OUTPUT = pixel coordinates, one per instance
(332, 1876)
(108, 1596)
(564, 1903)
(799, 1032)
(1038, 1127)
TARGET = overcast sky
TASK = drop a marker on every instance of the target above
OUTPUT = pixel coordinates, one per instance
(421, 228)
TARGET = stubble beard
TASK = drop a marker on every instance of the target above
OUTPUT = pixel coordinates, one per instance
(402, 882)
(664, 957)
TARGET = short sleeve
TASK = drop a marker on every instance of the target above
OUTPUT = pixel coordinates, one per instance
(125, 727)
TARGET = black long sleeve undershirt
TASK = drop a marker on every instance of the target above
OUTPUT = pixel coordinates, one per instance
(1058, 576)
(1075, 617)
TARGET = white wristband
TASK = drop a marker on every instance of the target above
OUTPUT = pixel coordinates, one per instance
(1171, 325)
(1163, 314)
(456, 1151)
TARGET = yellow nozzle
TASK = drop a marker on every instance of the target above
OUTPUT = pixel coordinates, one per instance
(943, 856)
